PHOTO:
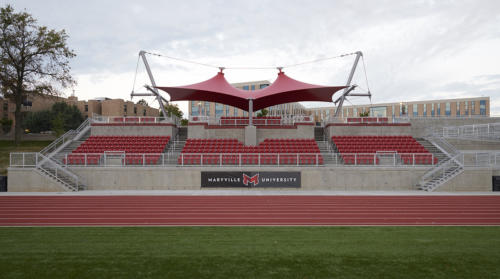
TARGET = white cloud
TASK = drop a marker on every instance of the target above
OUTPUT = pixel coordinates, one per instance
(414, 50)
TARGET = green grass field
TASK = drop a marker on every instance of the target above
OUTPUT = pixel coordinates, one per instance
(250, 252)
(6, 147)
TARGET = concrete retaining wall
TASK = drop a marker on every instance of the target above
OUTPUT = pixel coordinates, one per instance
(313, 178)
(138, 130)
(277, 132)
(470, 180)
(29, 180)
(352, 130)
(474, 144)
(419, 126)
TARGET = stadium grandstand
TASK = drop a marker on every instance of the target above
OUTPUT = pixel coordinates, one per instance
(283, 150)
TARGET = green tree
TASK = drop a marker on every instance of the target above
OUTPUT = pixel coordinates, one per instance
(58, 124)
(262, 113)
(364, 114)
(6, 125)
(39, 121)
(33, 60)
(65, 117)
(72, 117)
(173, 109)
(142, 102)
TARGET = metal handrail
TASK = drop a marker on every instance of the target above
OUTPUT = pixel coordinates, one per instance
(454, 159)
(134, 119)
(235, 121)
(69, 135)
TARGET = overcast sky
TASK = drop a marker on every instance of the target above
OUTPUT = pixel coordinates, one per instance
(413, 50)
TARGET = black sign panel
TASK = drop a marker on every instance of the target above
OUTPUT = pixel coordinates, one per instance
(496, 183)
(274, 179)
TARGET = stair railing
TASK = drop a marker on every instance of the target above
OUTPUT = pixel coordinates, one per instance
(440, 170)
(58, 172)
(62, 140)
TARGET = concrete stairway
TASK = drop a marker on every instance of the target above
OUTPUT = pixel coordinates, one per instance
(329, 153)
(70, 147)
(433, 149)
(175, 146)
(442, 173)
(319, 134)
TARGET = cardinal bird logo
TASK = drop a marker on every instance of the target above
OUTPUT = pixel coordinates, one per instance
(254, 179)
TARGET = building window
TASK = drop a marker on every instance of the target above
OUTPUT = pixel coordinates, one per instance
(144, 112)
(135, 110)
(403, 109)
(473, 107)
(447, 110)
(482, 107)
(125, 108)
(415, 110)
(227, 110)
(207, 108)
(458, 109)
(86, 108)
(253, 87)
(432, 110)
(235, 111)
(194, 109)
(355, 112)
(219, 109)
(439, 109)
(245, 113)
(466, 108)
(393, 111)
(263, 86)
(378, 111)
(245, 87)
(425, 109)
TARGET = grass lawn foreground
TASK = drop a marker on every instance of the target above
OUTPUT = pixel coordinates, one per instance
(250, 252)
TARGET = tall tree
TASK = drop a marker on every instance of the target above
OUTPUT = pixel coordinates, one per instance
(33, 60)
(142, 102)
(173, 109)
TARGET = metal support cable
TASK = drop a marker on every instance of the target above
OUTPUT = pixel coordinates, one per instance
(245, 67)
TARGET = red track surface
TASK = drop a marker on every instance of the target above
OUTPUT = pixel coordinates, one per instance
(248, 210)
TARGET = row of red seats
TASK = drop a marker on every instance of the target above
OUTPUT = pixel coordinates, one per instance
(246, 117)
(127, 144)
(372, 137)
(373, 144)
(304, 147)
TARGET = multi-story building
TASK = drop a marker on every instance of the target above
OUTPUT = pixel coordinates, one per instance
(463, 107)
(112, 107)
(102, 106)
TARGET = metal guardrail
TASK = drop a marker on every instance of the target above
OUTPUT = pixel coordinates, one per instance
(456, 160)
(486, 131)
(69, 135)
(45, 165)
(134, 119)
(243, 121)
(382, 159)
(366, 120)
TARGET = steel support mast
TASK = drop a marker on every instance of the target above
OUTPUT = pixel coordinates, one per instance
(153, 90)
(349, 88)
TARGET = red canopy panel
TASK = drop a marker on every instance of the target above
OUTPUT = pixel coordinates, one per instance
(283, 90)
